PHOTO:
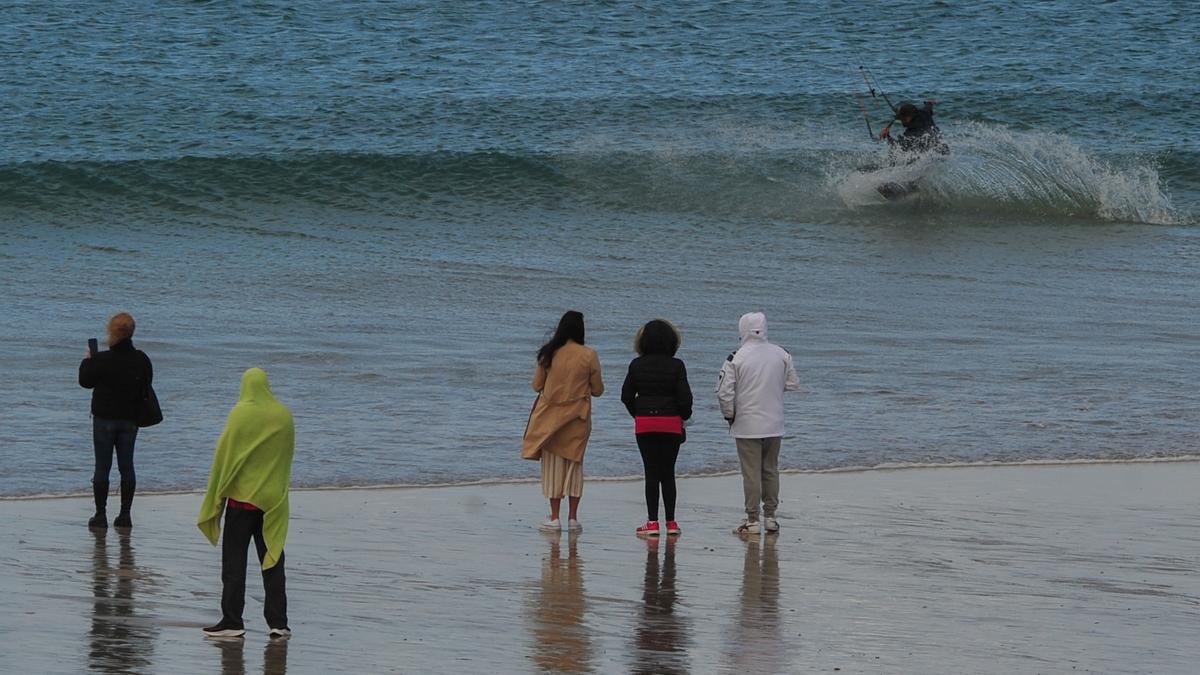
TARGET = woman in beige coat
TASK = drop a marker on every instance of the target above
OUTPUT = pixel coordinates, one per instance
(561, 419)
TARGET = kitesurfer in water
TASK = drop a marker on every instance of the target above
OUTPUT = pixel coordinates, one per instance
(921, 138)
(920, 135)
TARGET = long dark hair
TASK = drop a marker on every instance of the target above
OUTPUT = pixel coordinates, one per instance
(570, 327)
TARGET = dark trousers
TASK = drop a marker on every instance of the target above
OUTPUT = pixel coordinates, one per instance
(240, 526)
(109, 435)
(659, 452)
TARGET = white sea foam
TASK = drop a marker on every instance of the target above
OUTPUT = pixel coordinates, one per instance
(994, 168)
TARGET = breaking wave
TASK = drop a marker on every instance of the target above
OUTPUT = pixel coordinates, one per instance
(990, 170)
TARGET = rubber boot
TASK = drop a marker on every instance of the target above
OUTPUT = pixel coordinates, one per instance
(127, 488)
(100, 494)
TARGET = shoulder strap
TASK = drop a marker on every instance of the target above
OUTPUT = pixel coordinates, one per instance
(145, 367)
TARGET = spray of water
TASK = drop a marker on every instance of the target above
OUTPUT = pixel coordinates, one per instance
(998, 169)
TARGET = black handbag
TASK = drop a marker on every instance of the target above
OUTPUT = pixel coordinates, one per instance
(148, 411)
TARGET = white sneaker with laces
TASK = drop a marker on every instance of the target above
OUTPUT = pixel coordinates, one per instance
(771, 525)
(748, 527)
(574, 526)
(551, 525)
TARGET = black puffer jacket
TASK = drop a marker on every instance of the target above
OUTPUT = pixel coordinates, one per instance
(116, 378)
(657, 386)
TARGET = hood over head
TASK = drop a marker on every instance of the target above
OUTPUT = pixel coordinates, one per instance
(255, 387)
(253, 463)
(753, 326)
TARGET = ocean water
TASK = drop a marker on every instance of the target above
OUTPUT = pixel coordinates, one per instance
(388, 207)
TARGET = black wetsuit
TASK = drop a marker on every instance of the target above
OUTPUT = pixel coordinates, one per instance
(921, 135)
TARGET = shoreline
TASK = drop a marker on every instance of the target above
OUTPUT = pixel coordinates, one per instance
(891, 467)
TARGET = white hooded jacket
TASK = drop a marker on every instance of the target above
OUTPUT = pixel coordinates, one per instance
(752, 381)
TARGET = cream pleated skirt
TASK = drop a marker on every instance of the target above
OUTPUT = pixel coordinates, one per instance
(561, 477)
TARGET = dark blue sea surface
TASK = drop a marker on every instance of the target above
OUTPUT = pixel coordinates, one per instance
(387, 206)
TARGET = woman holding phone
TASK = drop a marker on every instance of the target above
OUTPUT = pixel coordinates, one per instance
(117, 377)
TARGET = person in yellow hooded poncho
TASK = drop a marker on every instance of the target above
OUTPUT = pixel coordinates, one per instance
(251, 469)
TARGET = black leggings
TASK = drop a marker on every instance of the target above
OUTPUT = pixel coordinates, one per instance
(659, 452)
(109, 434)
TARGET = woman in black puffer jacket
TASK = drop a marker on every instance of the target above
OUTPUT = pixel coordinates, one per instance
(656, 393)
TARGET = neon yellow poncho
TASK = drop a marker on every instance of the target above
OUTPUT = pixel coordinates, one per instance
(253, 463)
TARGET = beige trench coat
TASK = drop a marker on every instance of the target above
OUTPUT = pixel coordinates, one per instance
(561, 419)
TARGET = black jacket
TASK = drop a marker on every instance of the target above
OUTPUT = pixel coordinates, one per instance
(116, 378)
(657, 386)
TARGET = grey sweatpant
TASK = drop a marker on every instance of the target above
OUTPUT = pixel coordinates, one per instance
(760, 474)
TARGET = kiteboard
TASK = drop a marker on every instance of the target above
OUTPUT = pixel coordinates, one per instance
(883, 184)
(893, 191)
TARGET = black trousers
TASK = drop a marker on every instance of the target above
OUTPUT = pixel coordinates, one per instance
(240, 527)
(659, 452)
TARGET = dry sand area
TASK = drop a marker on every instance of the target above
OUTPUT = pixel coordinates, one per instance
(1043, 569)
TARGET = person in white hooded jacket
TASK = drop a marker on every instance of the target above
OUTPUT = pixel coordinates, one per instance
(750, 390)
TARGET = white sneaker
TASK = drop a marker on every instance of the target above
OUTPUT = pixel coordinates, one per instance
(771, 525)
(748, 527)
(284, 632)
(552, 525)
(574, 526)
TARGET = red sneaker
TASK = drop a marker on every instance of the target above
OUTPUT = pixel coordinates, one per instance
(649, 529)
(673, 527)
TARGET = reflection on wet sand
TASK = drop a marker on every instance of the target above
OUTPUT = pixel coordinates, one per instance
(561, 641)
(661, 635)
(758, 645)
(119, 641)
(233, 656)
(1090, 557)
(275, 657)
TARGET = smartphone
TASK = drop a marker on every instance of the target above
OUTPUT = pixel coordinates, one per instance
(93, 346)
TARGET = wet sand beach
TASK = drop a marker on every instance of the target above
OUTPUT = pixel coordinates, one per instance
(1033, 569)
